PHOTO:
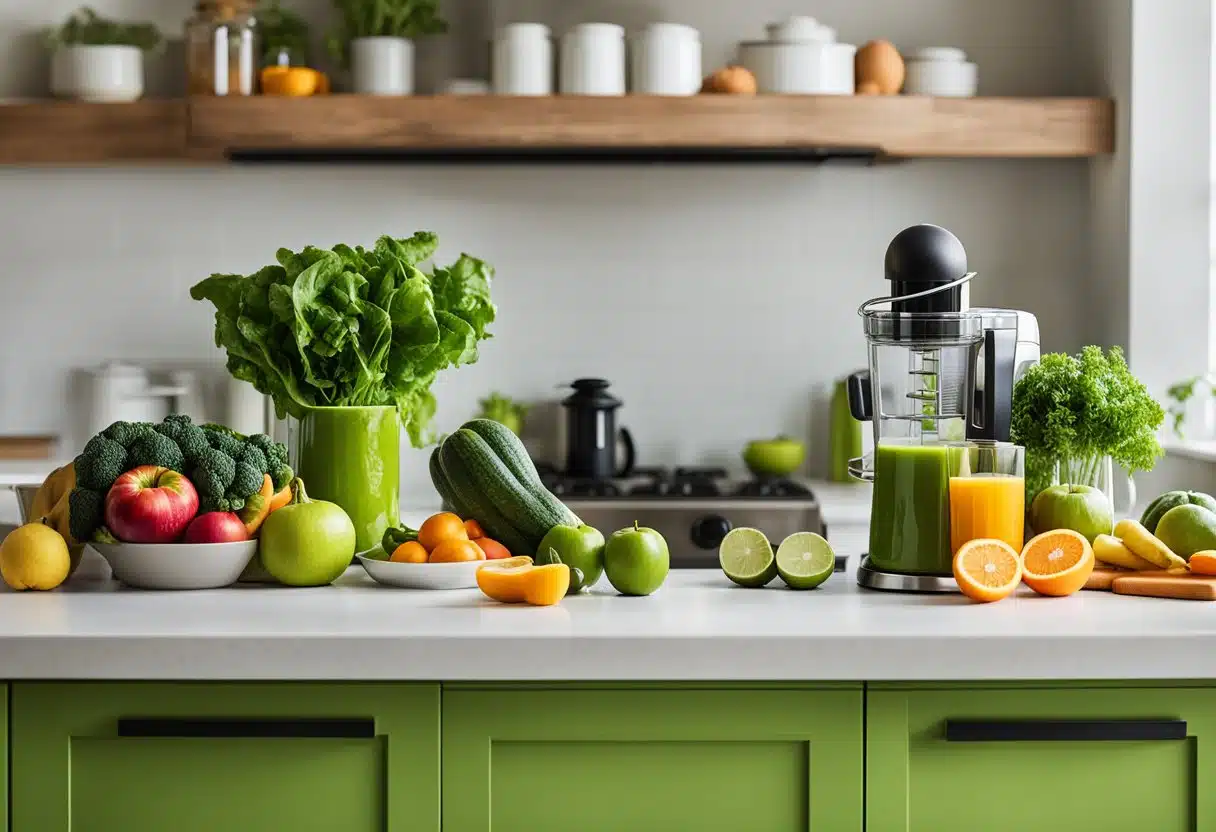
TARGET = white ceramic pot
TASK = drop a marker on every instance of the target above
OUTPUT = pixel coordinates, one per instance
(382, 66)
(523, 60)
(789, 68)
(593, 60)
(667, 60)
(943, 72)
(98, 73)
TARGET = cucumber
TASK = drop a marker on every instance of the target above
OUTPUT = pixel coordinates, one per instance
(440, 480)
(498, 485)
(477, 506)
(508, 447)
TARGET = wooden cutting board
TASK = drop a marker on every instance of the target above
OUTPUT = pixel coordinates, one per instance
(1154, 584)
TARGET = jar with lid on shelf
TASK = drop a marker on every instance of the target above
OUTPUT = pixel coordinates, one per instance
(222, 54)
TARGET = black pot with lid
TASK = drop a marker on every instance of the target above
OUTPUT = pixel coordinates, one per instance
(592, 435)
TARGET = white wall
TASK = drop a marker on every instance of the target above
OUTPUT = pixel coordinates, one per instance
(720, 301)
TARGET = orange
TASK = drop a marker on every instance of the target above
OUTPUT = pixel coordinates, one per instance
(474, 529)
(441, 528)
(411, 552)
(493, 549)
(457, 551)
(1203, 563)
(987, 570)
(1057, 563)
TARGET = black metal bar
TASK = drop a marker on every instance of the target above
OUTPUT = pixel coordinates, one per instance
(225, 728)
(552, 156)
(1065, 730)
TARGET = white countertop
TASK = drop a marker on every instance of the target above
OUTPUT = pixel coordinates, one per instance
(697, 627)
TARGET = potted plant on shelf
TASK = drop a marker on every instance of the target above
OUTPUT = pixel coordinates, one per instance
(374, 38)
(95, 59)
(286, 54)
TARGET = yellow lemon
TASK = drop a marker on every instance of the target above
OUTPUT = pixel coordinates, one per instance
(34, 557)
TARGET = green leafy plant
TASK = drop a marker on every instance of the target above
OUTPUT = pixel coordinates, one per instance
(505, 411)
(1181, 394)
(353, 326)
(87, 28)
(1082, 407)
(382, 18)
(283, 31)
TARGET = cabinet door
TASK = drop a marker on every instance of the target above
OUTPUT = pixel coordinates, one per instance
(619, 758)
(1016, 758)
(235, 757)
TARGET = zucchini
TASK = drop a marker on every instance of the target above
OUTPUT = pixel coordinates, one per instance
(499, 486)
(463, 487)
(508, 447)
(446, 493)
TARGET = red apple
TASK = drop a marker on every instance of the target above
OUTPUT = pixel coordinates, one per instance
(216, 527)
(150, 505)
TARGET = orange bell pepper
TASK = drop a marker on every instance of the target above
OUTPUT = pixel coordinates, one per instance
(518, 581)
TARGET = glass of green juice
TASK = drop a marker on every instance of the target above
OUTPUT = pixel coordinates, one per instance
(910, 507)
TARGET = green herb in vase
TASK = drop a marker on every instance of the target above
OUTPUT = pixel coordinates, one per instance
(407, 19)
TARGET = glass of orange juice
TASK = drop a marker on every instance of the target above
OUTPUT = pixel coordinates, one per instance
(988, 494)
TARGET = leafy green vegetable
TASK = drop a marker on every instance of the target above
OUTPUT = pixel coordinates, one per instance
(87, 28)
(282, 32)
(1085, 406)
(352, 327)
(505, 411)
(382, 18)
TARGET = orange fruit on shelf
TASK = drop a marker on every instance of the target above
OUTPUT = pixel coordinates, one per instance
(456, 551)
(1203, 563)
(987, 570)
(441, 528)
(411, 552)
(473, 529)
(1057, 563)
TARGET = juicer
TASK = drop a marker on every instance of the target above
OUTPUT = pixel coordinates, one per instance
(939, 373)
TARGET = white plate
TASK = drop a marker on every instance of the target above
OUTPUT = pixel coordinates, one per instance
(178, 565)
(421, 575)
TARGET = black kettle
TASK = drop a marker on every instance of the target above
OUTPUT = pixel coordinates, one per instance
(592, 435)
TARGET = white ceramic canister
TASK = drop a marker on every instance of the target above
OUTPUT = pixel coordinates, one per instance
(593, 60)
(98, 73)
(666, 60)
(787, 68)
(943, 72)
(523, 60)
(382, 66)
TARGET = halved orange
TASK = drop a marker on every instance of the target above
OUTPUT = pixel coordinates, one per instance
(1057, 563)
(987, 570)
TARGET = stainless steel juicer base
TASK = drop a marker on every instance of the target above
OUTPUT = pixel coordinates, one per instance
(892, 582)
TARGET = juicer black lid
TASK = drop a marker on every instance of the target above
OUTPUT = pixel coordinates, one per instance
(920, 258)
(592, 393)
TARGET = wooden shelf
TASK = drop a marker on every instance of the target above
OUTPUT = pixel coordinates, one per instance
(702, 127)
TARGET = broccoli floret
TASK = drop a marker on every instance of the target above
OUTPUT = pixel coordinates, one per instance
(224, 442)
(125, 433)
(252, 455)
(246, 482)
(212, 476)
(100, 463)
(282, 476)
(156, 449)
(193, 443)
(86, 511)
(276, 452)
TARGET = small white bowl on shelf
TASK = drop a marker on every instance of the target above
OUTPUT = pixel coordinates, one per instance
(941, 71)
(419, 575)
(177, 566)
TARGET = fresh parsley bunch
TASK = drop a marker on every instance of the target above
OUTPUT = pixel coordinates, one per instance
(1077, 407)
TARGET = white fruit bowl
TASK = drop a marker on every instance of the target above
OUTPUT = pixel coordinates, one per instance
(420, 575)
(178, 565)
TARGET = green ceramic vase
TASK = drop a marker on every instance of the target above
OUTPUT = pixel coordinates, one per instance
(352, 456)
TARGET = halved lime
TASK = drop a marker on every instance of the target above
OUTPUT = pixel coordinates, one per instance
(805, 560)
(747, 558)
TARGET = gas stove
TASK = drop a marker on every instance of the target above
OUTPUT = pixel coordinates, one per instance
(693, 508)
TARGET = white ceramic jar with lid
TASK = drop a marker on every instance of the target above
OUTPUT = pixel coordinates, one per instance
(941, 71)
(667, 60)
(593, 60)
(800, 57)
(523, 60)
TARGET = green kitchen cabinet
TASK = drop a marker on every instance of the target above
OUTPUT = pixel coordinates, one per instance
(562, 757)
(4, 754)
(151, 757)
(1015, 757)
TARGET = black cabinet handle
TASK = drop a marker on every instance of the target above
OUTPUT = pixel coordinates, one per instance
(1065, 730)
(226, 728)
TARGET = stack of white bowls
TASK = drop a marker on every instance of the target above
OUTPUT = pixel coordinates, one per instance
(941, 71)
(800, 57)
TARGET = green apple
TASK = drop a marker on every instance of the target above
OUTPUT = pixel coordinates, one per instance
(636, 560)
(1188, 529)
(1082, 508)
(579, 547)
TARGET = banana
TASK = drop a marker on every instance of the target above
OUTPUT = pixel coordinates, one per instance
(1113, 552)
(1142, 543)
